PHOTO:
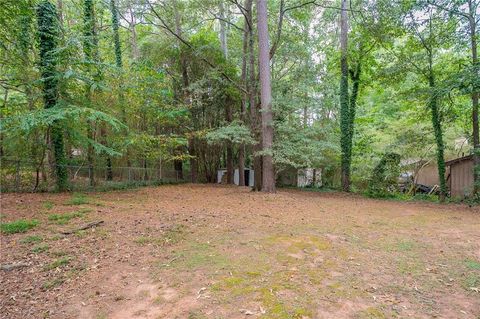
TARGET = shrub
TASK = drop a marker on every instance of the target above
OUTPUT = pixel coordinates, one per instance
(383, 182)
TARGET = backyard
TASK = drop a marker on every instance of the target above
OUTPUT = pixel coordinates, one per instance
(198, 251)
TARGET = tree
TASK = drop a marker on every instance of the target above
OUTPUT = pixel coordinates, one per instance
(268, 172)
(471, 16)
(228, 106)
(90, 49)
(345, 116)
(48, 37)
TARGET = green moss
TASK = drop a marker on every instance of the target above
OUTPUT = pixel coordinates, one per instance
(18, 226)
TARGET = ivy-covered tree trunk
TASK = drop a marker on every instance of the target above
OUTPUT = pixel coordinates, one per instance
(268, 171)
(119, 65)
(355, 77)
(118, 56)
(437, 128)
(344, 103)
(48, 37)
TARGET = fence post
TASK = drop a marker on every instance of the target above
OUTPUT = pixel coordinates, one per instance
(17, 176)
(129, 174)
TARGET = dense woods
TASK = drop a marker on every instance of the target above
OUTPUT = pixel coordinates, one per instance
(190, 87)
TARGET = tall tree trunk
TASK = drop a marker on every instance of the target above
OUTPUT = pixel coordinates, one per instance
(25, 42)
(228, 105)
(475, 97)
(268, 172)
(186, 97)
(223, 31)
(90, 50)
(48, 32)
(119, 65)
(254, 112)
(243, 106)
(344, 107)
(133, 31)
(437, 127)
(4, 107)
(229, 157)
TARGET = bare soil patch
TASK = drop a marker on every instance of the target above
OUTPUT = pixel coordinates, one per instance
(198, 251)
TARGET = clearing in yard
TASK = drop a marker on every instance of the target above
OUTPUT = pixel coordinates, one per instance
(198, 251)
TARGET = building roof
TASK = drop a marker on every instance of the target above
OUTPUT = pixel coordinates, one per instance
(458, 160)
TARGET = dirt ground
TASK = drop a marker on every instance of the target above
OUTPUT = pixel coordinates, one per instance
(197, 251)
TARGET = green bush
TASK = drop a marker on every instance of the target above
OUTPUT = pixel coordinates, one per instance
(383, 182)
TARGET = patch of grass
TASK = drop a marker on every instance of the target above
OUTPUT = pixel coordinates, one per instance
(275, 308)
(62, 219)
(403, 245)
(115, 186)
(31, 239)
(49, 284)
(472, 264)
(299, 243)
(40, 248)
(200, 255)
(171, 236)
(58, 263)
(412, 266)
(471, 281)
(196, 315)
(59, 253)
(18, 226)
(175, 234)
(48, 205)
(234, 286)
(371, 313)
(78, 199)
